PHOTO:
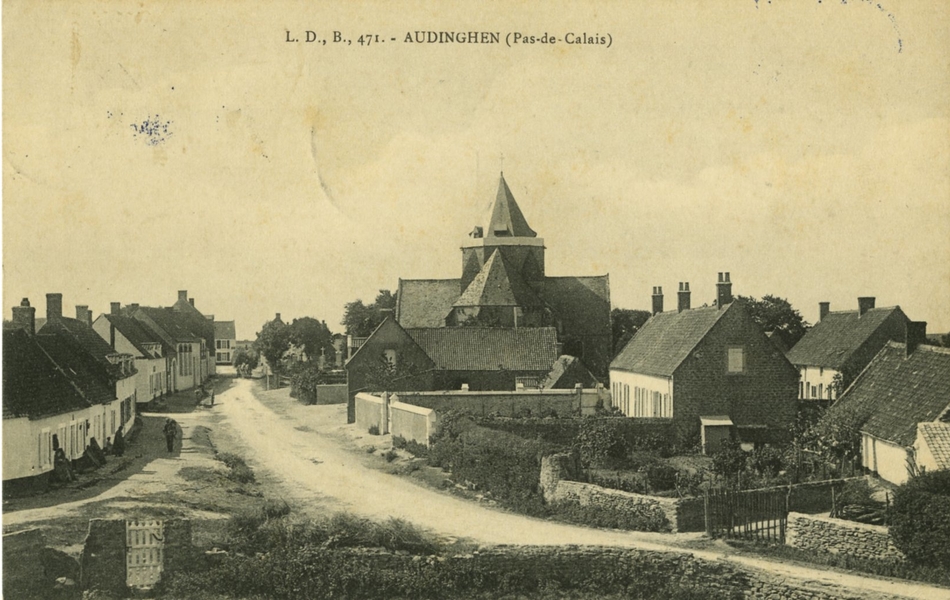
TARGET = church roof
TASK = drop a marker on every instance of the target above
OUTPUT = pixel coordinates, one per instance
(497, 284)
(425, 302)
(488, 348)
(506, 218)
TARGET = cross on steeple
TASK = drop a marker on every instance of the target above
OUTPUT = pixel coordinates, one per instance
(502, 163)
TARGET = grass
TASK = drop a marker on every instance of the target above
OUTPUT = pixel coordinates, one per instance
(238, 471)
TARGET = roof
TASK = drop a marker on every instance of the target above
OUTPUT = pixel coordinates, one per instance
(567, 372)
(489, 348)
(84, 339)
(33, 385)
(937, 438)
(834, 339)
(581, 304)
(136, 332)
(425, 302)
(718, 420)
(224, 330)
(172, 323)
(497, 284)
(666, 339)
(895, 392)
(506, 218)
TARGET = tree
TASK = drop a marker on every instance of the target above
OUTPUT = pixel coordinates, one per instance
(311, 335)
(920, 519)
(245, 360)
(837, 435)
(360, 320)
(776, 314)
(624, 323)
(272, 341)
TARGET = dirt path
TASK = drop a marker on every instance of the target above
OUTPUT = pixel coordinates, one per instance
(318, 472)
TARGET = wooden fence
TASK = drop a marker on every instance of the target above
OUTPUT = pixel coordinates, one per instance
(760, 515)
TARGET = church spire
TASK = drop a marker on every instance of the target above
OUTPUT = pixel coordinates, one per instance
(506, 218)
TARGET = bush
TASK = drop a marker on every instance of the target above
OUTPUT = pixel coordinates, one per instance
(390, 455)
(374, 430)
(238, 471)
(920, 519)
(599, 440)
(661, 477)
(411, 446)
(767, 461)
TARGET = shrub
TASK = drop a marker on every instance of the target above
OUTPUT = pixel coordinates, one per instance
(920, 519)
(374, 430)
(661, 477)
(411, 446)
(238, 470)
(599, 440)
(729, 460)
(390, 455)
(767, 461)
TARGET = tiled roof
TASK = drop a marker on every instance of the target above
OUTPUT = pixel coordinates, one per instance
(195, 320)
(224, 330)
(86, 340)
(425, 302)
(171, 323)
(666, 339)
(566, 372)
(497, 284)
(33, 386)
(134, 331)
(489, 348)
(506, 218)
(832, 341)
(937, 438)
(895, 392)
(94, 379)
(581, 304)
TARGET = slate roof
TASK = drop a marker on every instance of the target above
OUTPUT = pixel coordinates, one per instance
(425, 302)
(94, 379)
(171, 323)
(895, 392)
(195, 320)
(937, 438)
(506, 217)
(832, 341)
(83, 338)
(224, 330)
(497, 284)
(135, 331)
(488, 348)
(33, 386)
(666, 339)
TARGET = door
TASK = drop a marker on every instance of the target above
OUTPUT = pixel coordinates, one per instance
(145, 553)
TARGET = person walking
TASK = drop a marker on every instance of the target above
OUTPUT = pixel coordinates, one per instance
(171, 431)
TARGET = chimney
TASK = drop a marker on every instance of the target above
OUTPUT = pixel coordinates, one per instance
(183, 295)
(114, 308)
(54, 307)
(823, 309)
(865, 304)
(84, 314)
(387, 313)
(723, 290)
(683, 297)
(277, 318)
(24, 316)
(915, 335)
(657, 299)
(133, 307)
(191, 301)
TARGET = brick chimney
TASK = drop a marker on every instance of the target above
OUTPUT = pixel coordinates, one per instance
(865, 304)
(84, 314)
(54, 307)
(683, 297)
(657, 299)
(915, 335)
(24, 316)
(133, 307)
(183, 295)
(191, 301)
(115, 308)
(723, 290)
(277, 317)
(823, 309)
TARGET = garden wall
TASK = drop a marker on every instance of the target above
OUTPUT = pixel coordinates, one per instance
(412, 423)
(563, 403)
(331, 393)
(371, 412)
(837, 536)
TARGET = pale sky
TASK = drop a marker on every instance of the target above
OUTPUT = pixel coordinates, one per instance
(803, 146)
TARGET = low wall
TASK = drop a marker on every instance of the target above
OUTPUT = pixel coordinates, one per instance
(371, 412)
(837, 536)
(563, 403)
(331, 393)
(412, 423)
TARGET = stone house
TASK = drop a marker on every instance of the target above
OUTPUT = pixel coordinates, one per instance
(843, 342)
(712, 371)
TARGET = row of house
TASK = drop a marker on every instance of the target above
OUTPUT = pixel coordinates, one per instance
(68, 381)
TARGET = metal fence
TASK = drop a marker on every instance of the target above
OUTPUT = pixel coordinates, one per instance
(760, 515)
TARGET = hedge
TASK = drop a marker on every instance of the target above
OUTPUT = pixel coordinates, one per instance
(637, 434)
(920, 519)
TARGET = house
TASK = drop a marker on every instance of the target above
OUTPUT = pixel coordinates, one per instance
(201, 324)
(225, 342)
(904, 386)
(183, 347)
(76, 348)
(504, 284)
(395, 358)
(932, 446)
(843, 343)
(129, 336)
(710, 370)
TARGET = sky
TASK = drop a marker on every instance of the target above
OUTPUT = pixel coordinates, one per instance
(803, 146)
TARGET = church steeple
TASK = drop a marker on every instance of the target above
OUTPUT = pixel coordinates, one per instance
(506, 218)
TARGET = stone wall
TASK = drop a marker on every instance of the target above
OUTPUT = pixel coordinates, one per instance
(837, 536)
(331, 393)
(371, 412)
(564, 403)
(412, 423)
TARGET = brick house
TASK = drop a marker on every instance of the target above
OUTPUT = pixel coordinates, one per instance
(710, 370)
(843, 342)
(427, 359)
(904, 386)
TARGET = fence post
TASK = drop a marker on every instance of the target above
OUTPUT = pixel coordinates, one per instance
(706, 519)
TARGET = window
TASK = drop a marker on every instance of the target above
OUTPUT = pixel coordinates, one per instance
(390, 356)
(736, 360)
(46, 449)
(821, 390)
(801, 389)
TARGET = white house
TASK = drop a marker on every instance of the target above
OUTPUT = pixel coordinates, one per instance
(129, 336)
(225, 342)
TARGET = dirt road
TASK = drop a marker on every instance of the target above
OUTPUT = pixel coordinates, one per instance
(317, 471)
